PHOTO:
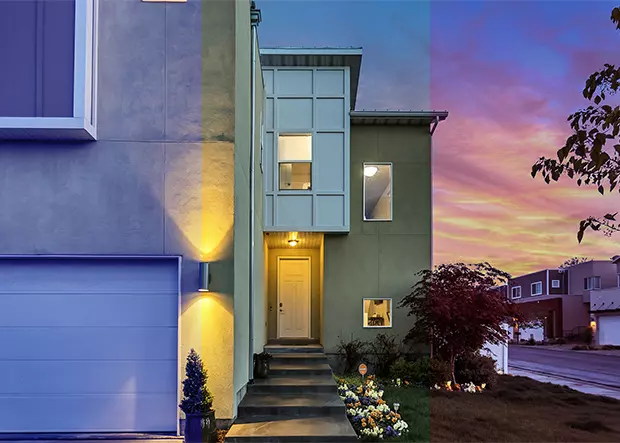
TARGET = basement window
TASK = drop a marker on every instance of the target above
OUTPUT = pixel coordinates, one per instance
(377, 191)
(295, 162)
(377, 312)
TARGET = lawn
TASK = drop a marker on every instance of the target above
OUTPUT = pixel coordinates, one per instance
(518, 409)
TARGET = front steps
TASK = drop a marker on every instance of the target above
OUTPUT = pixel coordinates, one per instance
(298, 402)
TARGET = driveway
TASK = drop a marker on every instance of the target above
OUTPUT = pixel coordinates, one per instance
(603, 370)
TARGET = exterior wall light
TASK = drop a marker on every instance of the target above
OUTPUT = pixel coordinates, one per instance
(292, 242)
(205, 277)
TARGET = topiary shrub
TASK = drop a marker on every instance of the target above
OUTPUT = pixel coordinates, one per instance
(196, 396)
(476, 368)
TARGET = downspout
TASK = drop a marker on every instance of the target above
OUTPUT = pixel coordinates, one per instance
(255, 19)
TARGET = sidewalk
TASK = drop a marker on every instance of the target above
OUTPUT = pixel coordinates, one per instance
(576, 385)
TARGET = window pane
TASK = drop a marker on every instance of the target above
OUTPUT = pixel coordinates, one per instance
(377, 192)
(378, 313)
(294, 148)
(295, 176)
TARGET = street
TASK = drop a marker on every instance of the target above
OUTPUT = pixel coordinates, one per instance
(584, 366)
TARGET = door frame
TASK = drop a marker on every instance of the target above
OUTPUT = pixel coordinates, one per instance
(278, 275)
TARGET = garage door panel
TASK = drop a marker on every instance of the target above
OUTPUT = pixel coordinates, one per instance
(88, 309)
(87, 377)
(105, 413)
(98, 275)
(609, 330)
(88, 343)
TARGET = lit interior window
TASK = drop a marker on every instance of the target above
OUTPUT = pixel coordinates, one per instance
(378, 313)
(295, 161)
(377, 192)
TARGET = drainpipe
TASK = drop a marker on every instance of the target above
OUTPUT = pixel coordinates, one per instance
(255, 19)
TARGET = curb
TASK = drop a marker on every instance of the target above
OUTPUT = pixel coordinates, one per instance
(549, 374)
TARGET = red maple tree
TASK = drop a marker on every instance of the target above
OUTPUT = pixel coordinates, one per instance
(459, 308)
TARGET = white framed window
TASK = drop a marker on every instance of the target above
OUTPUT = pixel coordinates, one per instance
(377, 313)
(590, 283)
(537, 288)
(377, 191)
(295, 162)
(515, 292)
(555, 284)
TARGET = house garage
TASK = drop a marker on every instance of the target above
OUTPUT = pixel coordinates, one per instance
(89, 344)
(608, 329)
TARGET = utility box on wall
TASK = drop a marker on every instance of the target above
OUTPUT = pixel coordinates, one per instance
(306, 146)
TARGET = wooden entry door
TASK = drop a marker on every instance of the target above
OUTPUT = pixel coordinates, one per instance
(294, 297)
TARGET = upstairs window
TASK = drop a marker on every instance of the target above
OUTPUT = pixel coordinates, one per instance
(377, 191)
(295, 161)
(590, 283)
(537, 288)
(516, 292)
(555, 284)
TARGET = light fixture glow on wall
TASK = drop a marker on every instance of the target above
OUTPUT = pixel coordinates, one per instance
(205, 277)
(292, 242)
(370, 171)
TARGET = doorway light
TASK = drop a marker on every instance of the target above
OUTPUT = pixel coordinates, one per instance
(370, 171)
(205, 277)
(292, 242)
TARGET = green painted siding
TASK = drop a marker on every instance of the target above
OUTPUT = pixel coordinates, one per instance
(380, 259)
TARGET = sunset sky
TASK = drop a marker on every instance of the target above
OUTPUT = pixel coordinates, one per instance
(509, 73)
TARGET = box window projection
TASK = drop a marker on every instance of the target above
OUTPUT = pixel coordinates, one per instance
(295, 161)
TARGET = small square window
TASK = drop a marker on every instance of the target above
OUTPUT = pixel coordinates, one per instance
(555, 284)
(377, 313)
(377, 192)
(537, 288)
(295, 161)
(516, 292)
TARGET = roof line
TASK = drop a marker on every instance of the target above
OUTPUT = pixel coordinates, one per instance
(310, 51)
(442, 115)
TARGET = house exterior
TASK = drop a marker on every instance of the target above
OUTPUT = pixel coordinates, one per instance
(605, 311)
(168, 185)
(561, 298)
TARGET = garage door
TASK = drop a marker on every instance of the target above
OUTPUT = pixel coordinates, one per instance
(88, 345)
(609, 330)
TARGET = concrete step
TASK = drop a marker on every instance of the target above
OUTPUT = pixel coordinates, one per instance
(306, 405)
(287, 349)
(293, 341)
(291, 429)
(298, 357)
(293, 385)
(299, 369)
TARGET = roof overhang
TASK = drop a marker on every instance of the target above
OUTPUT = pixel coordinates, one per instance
(397, 117)
(319, 58)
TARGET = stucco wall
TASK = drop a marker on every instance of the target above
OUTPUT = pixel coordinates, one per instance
(315, 287)
(160, 179)
(379, 259)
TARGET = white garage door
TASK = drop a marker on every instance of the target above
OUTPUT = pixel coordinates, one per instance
(609, 330)
(88, 345)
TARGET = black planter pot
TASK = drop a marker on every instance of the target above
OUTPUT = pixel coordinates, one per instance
(261, 368)
(200, 428)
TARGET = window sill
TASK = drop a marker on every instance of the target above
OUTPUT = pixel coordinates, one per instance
(46, 128)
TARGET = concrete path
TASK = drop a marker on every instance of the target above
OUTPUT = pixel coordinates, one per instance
(594, 369)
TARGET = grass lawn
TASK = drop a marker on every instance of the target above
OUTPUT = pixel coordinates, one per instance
(518, 409)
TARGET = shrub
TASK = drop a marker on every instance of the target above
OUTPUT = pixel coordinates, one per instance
(438, 373)
(610, 347)
(403, 369)
(530, 341)
(588, 335)
(196, 397)
(385, 351)
(477, 369)
(350, 354)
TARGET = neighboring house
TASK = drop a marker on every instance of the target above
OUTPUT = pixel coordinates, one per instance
(560, 298)
(605, 311)
(165, 186)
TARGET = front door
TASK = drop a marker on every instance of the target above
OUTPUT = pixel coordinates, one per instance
(294, 297)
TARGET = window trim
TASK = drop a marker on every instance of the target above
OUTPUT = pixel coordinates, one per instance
(512, 291)
(364, 219)
(391, 313)
(592, 279)
(559, 284)
(619, 280)
(532, 288)
(278, 162)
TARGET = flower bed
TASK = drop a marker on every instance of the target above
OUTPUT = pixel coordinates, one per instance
(465, 387)
(369, 414)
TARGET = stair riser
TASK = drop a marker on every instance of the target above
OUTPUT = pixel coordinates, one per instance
(279, 389)
(298, 361)
(303, 411)
(291, 439)
(299, 372)
(293, 350)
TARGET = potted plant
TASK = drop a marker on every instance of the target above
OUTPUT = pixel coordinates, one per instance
(261, 364)
(197, 402)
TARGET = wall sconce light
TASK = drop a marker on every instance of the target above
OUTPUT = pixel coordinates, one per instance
(292, 242)
(205, 277)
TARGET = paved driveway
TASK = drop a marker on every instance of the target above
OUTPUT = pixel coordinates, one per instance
(593, 368)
